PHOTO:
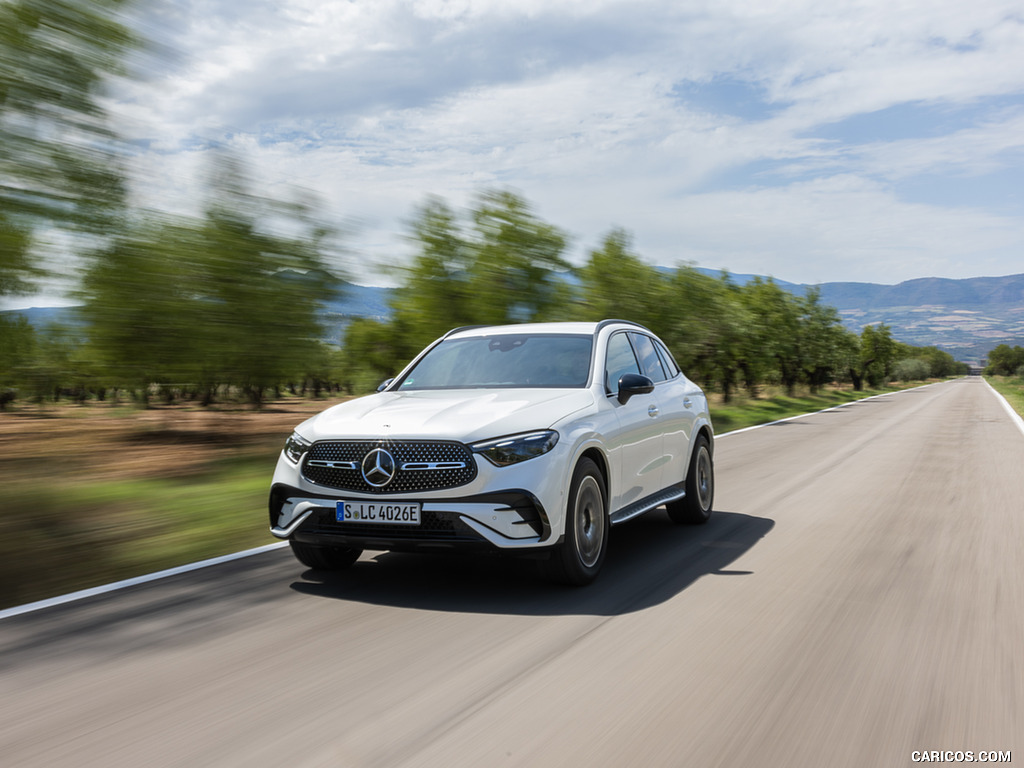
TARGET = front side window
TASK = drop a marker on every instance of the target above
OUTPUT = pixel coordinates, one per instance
(506, 361)
(620, 361)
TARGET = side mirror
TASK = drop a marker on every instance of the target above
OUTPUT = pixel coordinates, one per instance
(634, 384)
(384, 385)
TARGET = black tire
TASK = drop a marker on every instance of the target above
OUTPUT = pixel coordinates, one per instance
(695, 508)
(578, 559)
(325, 558)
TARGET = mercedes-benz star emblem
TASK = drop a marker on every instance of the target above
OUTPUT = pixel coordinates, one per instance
(378, 467)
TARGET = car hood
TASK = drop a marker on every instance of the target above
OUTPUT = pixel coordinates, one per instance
(464, 415)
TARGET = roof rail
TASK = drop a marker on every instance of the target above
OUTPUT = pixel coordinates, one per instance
(610, 321)
(464, 328)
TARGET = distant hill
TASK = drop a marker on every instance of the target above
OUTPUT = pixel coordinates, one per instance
(961, 294)
(966, 318)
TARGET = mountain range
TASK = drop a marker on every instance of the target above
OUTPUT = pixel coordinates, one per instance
(966, 318)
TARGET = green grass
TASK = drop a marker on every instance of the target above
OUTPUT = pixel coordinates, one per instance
(68, 536)
(1012, 388)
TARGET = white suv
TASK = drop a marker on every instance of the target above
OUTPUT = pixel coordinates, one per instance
(533, 439)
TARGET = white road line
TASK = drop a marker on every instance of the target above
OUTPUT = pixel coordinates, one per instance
(824, 410)
(1014, 416)
(103, 589)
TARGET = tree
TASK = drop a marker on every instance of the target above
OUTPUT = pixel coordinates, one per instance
(776, 327)
(616, 283)
(436, 295)
(17, 270)
(821, 340)
(939, 362)
(17, 348)
(222, 300)
(370, 354)
(1004, 361)
(143, 305)
(516, 263)
(877, 354)
(59, 160)
(910, 369)
(704, 323)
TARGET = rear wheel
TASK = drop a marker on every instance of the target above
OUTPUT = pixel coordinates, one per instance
(695, 507)
(578, 559)
(325, 558)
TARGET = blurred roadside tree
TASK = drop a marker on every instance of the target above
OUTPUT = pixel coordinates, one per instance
(231, 299)
(58, 366)
(725, 333)
(821, 341)
(436, 295)
(614, 282)
(516, 269)
(502, 265)
(373, 351)
(17, 349)
(688, 321)
(59, 160)
(778, 323)
(17, 269)
(140, 304)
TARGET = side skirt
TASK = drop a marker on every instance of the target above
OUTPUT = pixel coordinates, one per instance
(637, 508)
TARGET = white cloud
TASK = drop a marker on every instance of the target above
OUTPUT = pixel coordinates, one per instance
(578, 106)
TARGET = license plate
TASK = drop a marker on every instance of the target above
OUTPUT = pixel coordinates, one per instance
(387, 513)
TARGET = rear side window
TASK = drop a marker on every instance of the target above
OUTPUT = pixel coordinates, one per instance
(666, 358)
(621, 361)
(649, 363)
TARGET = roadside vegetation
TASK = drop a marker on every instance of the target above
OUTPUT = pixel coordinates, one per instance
(1005, 372)
(1012, 388)
(98, 493)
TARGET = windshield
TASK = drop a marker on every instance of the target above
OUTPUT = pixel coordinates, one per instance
(546, 361)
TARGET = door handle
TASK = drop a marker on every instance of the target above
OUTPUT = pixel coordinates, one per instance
(652, 410)
(686, 402)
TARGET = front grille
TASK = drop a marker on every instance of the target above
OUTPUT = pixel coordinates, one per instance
(414, 462)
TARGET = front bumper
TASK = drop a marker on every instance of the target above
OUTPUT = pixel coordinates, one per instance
(503, 520)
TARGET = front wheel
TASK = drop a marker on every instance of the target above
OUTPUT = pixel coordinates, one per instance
(695, 507)
(324, 558)
(578, 559)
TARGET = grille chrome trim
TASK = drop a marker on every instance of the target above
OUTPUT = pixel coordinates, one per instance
(333, 464)
(421, 465)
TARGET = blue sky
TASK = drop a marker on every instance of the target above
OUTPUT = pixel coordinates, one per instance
(863, 141)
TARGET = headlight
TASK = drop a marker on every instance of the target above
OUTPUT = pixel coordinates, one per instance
(512, 450)
(295, 448)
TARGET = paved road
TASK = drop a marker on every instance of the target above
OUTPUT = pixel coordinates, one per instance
(858, 596)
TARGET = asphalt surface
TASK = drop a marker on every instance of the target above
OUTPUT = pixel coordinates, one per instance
(857, 597)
